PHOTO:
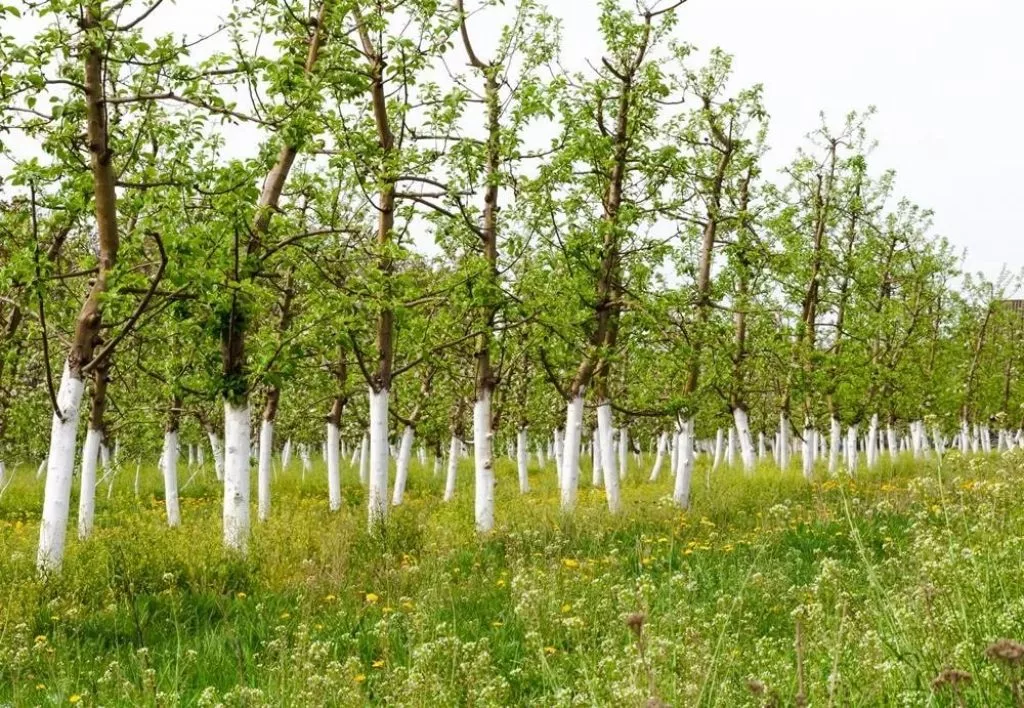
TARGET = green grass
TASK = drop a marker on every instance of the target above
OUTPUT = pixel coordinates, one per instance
(891, 578)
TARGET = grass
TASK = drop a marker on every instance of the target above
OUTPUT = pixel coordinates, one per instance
(770, 591)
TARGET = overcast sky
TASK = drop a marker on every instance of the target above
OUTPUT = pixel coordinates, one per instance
(945, 76)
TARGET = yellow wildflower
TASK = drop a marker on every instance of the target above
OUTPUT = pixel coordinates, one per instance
(241, 595)
(549, 650)
(566, 608)
(372, 598)
(570, 563)
(360, 678)
(378, 663)
(74, 698)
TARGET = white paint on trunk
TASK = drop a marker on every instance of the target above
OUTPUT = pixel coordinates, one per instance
(730, 447)
(719, 449)
(378, 473)
(835, 434)
(483, 464)
(808, 451)
(739, 416)
(659, 457)
(871, 449)
(851, 449)
(402, 466)
(263, 472)
(236, 475)
(762, 452)
(623, 452)
(364, 460)
(523, 461)
(218, 455)
(674, 457)
(684, 475)
(87, 484)
(604, 437)
(170, 470)
(453, 468)
(965, 437)
(783, 442)
(60, 465)
(596, 473)
(571, 453)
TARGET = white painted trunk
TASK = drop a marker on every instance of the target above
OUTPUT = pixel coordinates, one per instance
(808, 452)
(611, 475)
(263, 472)
(730, 448)
(719, 449)
(596, 473)
(191, 455)
(236, 475)
(851, 448)
(659, 457)
(437, 465)
(623, 452)
(378, 493)
(739, 417)
(674, 457)
(835, 434)
(965, 437)
(890, 439)
(557, 449)
(59, 469)
(402, 465)
(453, 468)
(286, 454)
(333, 449)
(138, 471)
(87, 484)
(169, 467)
(523, 461)
(218, 455)
(571, 453)
(871, 449)
(684, 475)
(364, 460)
(783, 442)
(483, 464)
(762, 451)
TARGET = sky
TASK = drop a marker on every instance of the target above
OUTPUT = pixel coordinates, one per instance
(944, 76)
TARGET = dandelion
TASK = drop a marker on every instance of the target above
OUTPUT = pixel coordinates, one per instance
(329, 598)
(378, 663)
(566, 608)
(74, 698)
(570, 563)
(372, 598)
(549, 650)
(359, 678)
(241, 595)
(500, 582)
(407, 605)
(286, 615)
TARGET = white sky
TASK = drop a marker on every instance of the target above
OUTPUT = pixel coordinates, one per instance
(944, 75)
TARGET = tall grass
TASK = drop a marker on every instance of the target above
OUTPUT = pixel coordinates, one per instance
(898, 580)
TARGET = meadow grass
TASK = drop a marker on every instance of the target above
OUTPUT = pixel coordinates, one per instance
(884, 589)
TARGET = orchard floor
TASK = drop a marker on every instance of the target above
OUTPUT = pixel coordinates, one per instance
(770, 591)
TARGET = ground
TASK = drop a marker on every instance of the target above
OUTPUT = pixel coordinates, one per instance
(890, 588)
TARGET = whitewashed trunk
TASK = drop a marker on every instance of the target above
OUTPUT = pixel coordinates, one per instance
(170, 470)
(378, 472)
(523, 461)
(808, 452)
(263, 472)
(783, 442)
(453, 467)
(236, 475)
(719, 449)
(965, 437)
(674, 457)
(762, 451)
(333, 450)
(871, 449)
(60, 465)
(851, 448)
(659, 457)
(596, 473)
(571, 453)
(218, 455)
(730, 448)
(364, 460)
(684, 475)
(739, 417)
(87, 483)
(402, 466)
(607, 445)
(623, 452)
(835, 434)
(483, 464)
(286, 454)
